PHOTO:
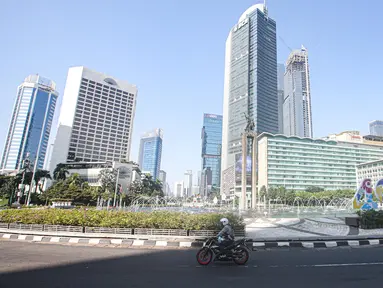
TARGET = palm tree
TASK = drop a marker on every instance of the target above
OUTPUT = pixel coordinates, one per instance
(41, 174)
(60, 172)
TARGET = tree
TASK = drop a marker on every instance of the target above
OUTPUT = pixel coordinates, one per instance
(147, 187)
(107, 178)
(314, 189)
(60, 172)
(41, 175)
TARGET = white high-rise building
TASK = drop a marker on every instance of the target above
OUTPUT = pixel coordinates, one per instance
(188, 183)
(96, 118)
(281, 73)
(297, 116)
(178, 189)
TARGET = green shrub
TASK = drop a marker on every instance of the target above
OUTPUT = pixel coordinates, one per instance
(371, 219)
(95, 218)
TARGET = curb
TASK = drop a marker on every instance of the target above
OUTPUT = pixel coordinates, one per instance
(186, 244)
(317, 244)
(101, 241)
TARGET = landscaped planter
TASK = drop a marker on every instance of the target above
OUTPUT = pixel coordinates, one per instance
(165, 232)
(371, 226)
(107, 230)
(31, 227)
(62, 228)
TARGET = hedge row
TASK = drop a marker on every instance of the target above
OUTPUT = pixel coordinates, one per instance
(371, 219)
(94, 218)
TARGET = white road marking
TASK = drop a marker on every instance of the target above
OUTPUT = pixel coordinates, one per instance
(342, 265)
(55, 239)
(185, 244)
(308, 244)
(22, 237)
(116, 241)
(138, 242)
(353, 243)
(94, 241)
(161, 243)
(7, 236)
(258, 244)
(37, 238)
(282, 244)
(374, 242)
(74, 240)
(330, 244)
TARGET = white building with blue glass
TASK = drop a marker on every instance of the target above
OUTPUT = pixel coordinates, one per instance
(30, 125)
(149, 158)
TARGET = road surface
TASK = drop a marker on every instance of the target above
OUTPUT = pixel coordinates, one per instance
(24, 264)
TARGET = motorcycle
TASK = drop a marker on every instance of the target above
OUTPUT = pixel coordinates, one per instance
(210, 251)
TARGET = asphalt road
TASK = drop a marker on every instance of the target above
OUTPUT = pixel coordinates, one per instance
(24, 264)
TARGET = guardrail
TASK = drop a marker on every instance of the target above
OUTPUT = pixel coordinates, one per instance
(108, 230)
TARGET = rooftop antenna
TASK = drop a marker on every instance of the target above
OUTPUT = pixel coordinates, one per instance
(265, 8)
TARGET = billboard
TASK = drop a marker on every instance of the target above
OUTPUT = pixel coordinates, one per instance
(238, 169)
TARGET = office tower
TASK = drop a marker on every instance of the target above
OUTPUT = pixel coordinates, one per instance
(188, 183)
(376, 128)
(297, 117)
(281, 74)
(96, 118)
(162, 178)
(250, 85)
(206, 181)
(212, 146)
(30, 125)
(178, 189)
(150, 153)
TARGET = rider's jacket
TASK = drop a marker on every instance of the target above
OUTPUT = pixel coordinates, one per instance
(227, 232)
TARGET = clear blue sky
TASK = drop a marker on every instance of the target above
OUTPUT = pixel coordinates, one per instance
(173, 50)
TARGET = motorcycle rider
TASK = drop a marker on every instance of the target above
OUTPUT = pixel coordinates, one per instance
(226, 235)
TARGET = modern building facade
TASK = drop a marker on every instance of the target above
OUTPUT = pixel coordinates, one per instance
(297, 116)
(96, 118)
(250, 85)
(372, 170)
(297, 163)
(188, 183)
(150, 153)
(31, 122)
(178, 189)
(376, 128)
(206, 181)
(90, 171)
(280, 91)
(212, 146)
(162, 178)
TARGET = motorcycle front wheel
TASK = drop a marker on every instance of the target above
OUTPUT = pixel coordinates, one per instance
(204, 256)
(241, 256)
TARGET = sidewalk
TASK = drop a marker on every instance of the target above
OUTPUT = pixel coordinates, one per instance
(305, 228)
(261, 232)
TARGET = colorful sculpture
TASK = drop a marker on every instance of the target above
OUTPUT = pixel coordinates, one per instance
(364, 195)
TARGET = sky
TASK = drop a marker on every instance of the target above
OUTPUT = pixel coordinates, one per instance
(174, 51)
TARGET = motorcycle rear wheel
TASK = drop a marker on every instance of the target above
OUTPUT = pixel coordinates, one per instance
(241, 256)
(204, 256)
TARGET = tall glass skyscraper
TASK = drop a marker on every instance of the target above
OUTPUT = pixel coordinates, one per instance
(31, 123)
(376, 128)
(212, 146)
(150, 152)
(297, 116)
(250, 86)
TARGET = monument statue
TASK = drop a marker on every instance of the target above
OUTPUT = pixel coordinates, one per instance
(250, 126)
